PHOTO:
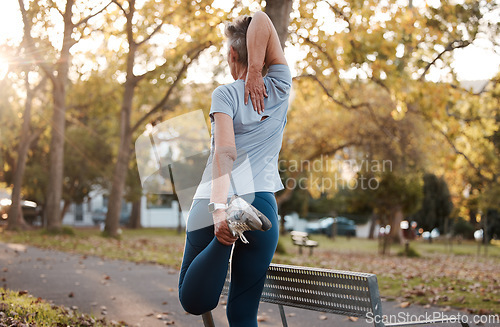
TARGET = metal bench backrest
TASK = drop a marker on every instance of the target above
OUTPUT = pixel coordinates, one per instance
(326, 290)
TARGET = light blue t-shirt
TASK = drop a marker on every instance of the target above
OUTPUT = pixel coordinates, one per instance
(258, 142)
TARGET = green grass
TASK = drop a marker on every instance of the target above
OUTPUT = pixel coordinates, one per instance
(418, 290)
(21, 309)
(452, 276)
(467, 248)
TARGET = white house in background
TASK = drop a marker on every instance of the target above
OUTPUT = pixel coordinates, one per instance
(160, 210)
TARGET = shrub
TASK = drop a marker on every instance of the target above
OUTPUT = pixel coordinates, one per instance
(409, 252)
(463, 228)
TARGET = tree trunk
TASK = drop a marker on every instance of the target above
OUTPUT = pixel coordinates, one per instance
(20, 223)
(54, 192)
(65, 209)
(179, 218)
(386, 244)
(279, 13)
(119, 177)
(125, 149)
(135, 215)
(16, 219)
(388, 218)
(120, 172)
(396, 233)
(472, 217)
(373, 223)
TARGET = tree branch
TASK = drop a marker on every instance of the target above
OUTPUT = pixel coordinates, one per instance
(34, 135)
(332, 64)
(147, 38)
(469, 92)
(449, 47)
(56, 7)
(161, 104)
(341, 14)
(320, 151)
(327, 92)
(86, 19)
(477, 169)
(157, 28)
(351, 107)
(120, 6)
(380, 83)
(466, 120)
(31, 44)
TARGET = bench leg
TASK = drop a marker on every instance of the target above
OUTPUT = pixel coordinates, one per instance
(208, 320)
(300, 249)
(310, 251)
(283, 317)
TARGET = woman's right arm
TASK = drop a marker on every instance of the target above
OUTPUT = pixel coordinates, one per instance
(263, 44)
(263, 48)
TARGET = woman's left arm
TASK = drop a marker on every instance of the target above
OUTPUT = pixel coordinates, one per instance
(222, 165)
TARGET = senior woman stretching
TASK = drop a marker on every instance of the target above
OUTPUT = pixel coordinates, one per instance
(239, 135)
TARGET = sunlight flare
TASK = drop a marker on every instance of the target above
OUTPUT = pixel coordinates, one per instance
(4, 67)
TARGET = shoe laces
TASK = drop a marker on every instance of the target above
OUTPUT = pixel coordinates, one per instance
(238, 227)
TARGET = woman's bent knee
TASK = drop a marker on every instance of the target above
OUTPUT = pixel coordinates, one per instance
(196, 305)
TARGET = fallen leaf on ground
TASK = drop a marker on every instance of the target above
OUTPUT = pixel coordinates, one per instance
(161, 316)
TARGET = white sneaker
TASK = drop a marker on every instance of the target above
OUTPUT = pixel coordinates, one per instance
(242, 217)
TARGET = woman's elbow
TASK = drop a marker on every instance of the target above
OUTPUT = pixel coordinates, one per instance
(228, 153)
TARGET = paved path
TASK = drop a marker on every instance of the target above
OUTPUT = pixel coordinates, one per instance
(139, 294)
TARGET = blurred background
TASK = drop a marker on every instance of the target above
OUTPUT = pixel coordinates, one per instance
(393, 126)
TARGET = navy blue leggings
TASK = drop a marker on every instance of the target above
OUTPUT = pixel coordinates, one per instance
(206, 260)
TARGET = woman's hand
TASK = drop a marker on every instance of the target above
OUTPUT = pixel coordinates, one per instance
(254, 86)
(221, 230)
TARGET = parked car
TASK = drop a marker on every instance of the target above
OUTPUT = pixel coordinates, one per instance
(30, 209)
(344, 226)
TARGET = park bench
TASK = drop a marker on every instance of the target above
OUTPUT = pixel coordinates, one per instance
(301, 239)
(347, 293)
